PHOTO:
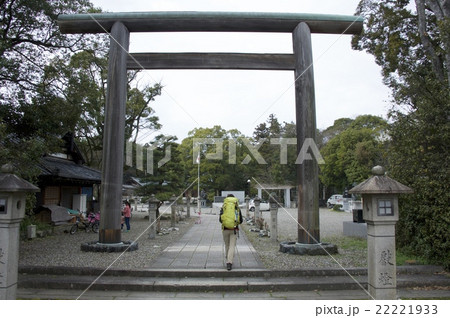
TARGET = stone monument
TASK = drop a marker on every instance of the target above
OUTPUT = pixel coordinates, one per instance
(152, 206)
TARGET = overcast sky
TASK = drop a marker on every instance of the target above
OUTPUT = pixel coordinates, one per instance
(347, 82)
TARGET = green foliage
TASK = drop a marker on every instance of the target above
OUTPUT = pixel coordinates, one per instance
(413, 49)
(167, 178)
(31, 220)
(139, 114)
(406, 257)
(351, 149)
(30, 38)
(275, 170)
(64, 87)
(33, 115)
(419, 158)
(221, 152)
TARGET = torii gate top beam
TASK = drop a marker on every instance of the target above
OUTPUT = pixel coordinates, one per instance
(193, 21)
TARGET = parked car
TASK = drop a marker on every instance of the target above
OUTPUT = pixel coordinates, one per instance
(335, 199)
(263, 206)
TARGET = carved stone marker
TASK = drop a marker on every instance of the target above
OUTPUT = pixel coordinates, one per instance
(247, 210)
(152, 206)
(173, 210)
(257, 202)
(273, 218)
(380, 211)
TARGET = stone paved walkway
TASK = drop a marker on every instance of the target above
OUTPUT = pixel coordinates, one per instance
(202, 247)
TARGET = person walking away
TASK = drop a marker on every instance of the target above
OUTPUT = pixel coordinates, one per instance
(127, 215)
(230, 217)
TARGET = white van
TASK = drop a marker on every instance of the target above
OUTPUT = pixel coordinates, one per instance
(335, 199)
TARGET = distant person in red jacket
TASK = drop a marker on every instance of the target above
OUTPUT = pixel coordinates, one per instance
(127, 215)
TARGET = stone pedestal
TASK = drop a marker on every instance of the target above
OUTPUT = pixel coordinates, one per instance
(31, 231)
(354, 229)
(381, 264)
(9, 259)
(308, 249)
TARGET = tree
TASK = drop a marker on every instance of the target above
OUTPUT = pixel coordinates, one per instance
(351, 154)
(83, 88)
(139, 113)
(270, 171)
(29, 39)
(166, 176)
(413, 49)
(221, 154)
(31, 116)
(327, 134)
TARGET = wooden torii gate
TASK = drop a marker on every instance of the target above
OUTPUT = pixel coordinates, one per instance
(119, 26)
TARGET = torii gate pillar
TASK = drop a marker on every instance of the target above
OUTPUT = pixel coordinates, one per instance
(307, 171)
(113, 136)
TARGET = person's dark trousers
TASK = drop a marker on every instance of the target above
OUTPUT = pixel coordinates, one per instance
(127, 223)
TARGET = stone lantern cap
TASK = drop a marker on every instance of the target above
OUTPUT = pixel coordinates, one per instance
(380, 183)
(12, 183)
(153, 198)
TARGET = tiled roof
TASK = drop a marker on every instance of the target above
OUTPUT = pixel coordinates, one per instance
(63, 168)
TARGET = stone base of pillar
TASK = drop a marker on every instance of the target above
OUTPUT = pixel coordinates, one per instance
(96, 246)
(308, 249)
(354, 229)
(8, 293)
(383, 293)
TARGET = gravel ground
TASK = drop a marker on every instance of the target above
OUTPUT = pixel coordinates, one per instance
(352, 252)
(63, 249)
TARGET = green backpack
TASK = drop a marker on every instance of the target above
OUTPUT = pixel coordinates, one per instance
(230, 217)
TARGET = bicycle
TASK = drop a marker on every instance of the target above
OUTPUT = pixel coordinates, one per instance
(92, 222)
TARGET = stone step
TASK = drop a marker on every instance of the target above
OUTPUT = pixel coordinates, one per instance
(189, 284)
(215, 281)
(220, 272)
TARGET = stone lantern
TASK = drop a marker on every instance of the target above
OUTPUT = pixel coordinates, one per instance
(380, 211)
(152, 207)
(13, 191)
